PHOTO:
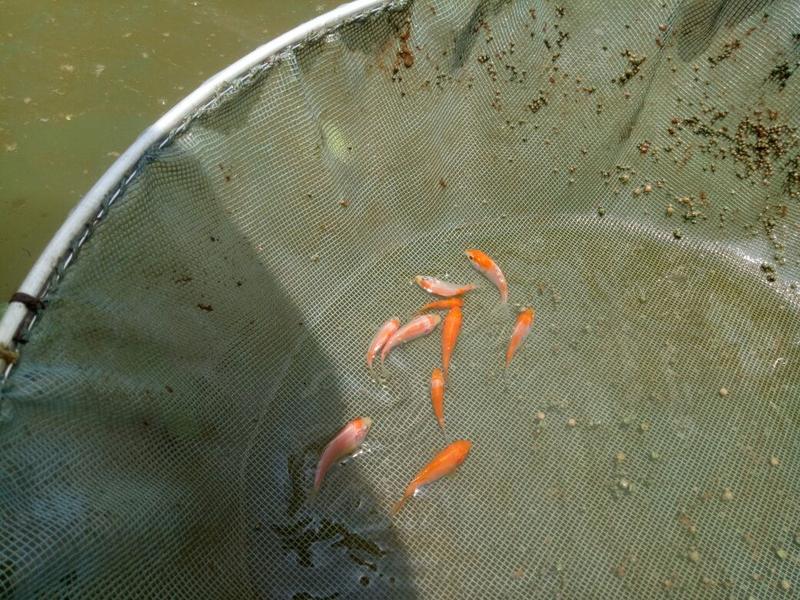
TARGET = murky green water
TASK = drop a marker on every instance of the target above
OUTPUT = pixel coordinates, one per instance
(80, 80)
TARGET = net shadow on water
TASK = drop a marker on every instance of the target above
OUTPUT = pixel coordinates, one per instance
(158, 469)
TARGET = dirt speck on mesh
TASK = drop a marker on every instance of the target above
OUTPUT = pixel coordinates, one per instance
(635, 62)
(404, 54)
(727, 51)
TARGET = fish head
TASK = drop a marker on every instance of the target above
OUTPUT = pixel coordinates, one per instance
(363, 424)
(462, 447)
(478, 259)
(361, 427)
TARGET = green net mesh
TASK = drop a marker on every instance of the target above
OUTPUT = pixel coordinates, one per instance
(632, 167)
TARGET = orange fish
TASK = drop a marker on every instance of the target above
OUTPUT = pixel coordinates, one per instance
(445, 304)
(450, 330)
(345, 442)
(444, 463)
(437, 287)
(437, 396)
(483, 263)
(521, 330)
(386, 331)
(415, 328)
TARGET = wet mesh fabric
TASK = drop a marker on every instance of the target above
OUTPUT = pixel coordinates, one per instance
(631, 166)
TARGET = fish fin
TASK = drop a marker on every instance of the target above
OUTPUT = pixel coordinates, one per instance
(312, 495)
(506, 387)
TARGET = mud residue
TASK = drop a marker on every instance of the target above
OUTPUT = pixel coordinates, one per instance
(694, 206)
(537, 103)
(727, 51)
(635, 62)
(301, 536)
(404, 54)
(781, 73)
(760, 145)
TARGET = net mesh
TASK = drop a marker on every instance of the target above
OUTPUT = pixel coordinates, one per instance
(632, 167)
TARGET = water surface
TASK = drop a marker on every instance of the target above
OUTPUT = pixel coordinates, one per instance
(80, 81)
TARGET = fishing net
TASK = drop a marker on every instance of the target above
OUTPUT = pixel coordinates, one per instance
(632, 167)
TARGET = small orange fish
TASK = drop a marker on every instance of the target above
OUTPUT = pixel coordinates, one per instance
(345, 442)
(437, 287)
(444, 463)
(521, 330)
(415, 328)
(483, 263)
(450, 330)
(437, 396)
(386, 331)
(444, 304)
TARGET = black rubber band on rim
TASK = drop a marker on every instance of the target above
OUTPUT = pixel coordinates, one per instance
(32, 303)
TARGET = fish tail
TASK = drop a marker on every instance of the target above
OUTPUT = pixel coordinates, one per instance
(322, 470)
(397, 506)
(376, 374)
(382, 372)
(498, 315)
(441, 424)
(317, 482)
(511, 349)
(313, 492)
